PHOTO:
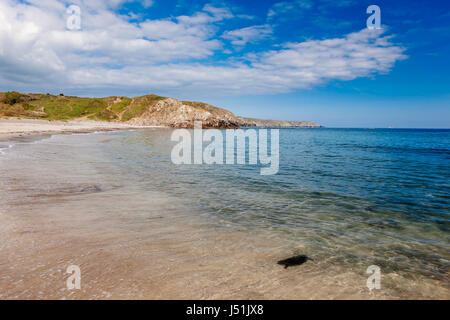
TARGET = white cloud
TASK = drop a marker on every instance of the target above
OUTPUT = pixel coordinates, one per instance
(297, 66)
(249, 34)
(218, 13)
(169, 55)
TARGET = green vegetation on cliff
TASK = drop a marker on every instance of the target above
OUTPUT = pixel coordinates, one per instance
(51, 107)
(139, 105)
(144, 110)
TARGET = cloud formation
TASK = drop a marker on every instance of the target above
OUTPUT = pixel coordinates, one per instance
(170, 55)
(249, 34)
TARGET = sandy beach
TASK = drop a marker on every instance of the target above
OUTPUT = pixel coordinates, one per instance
(14, 126)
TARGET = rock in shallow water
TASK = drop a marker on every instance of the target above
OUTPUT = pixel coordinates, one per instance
(294, 261)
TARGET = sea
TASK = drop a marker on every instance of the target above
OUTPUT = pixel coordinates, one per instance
(139, 226)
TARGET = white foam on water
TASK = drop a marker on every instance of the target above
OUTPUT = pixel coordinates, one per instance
(85, 133)
(3, 150)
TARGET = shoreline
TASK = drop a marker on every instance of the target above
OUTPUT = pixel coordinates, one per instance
(73, 201)
(18, 127)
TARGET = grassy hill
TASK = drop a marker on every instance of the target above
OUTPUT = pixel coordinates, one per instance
(51, 107)
(144, 110)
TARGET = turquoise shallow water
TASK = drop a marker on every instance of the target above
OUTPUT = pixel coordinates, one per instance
(345, 195)
(349, 198)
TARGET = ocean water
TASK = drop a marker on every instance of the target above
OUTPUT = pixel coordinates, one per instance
(346, 198)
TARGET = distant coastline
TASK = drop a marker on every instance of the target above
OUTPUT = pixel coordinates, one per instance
(148, 110)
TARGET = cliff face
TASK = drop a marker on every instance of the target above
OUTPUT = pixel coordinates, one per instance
(174, 113)
(147, 110)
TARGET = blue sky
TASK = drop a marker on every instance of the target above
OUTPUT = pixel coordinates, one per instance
(291, 60)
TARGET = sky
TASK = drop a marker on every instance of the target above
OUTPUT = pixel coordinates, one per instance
(284, 60)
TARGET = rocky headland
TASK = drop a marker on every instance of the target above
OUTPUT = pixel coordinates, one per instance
(148, 110)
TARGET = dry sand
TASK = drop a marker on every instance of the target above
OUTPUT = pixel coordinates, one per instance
(31, 126)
